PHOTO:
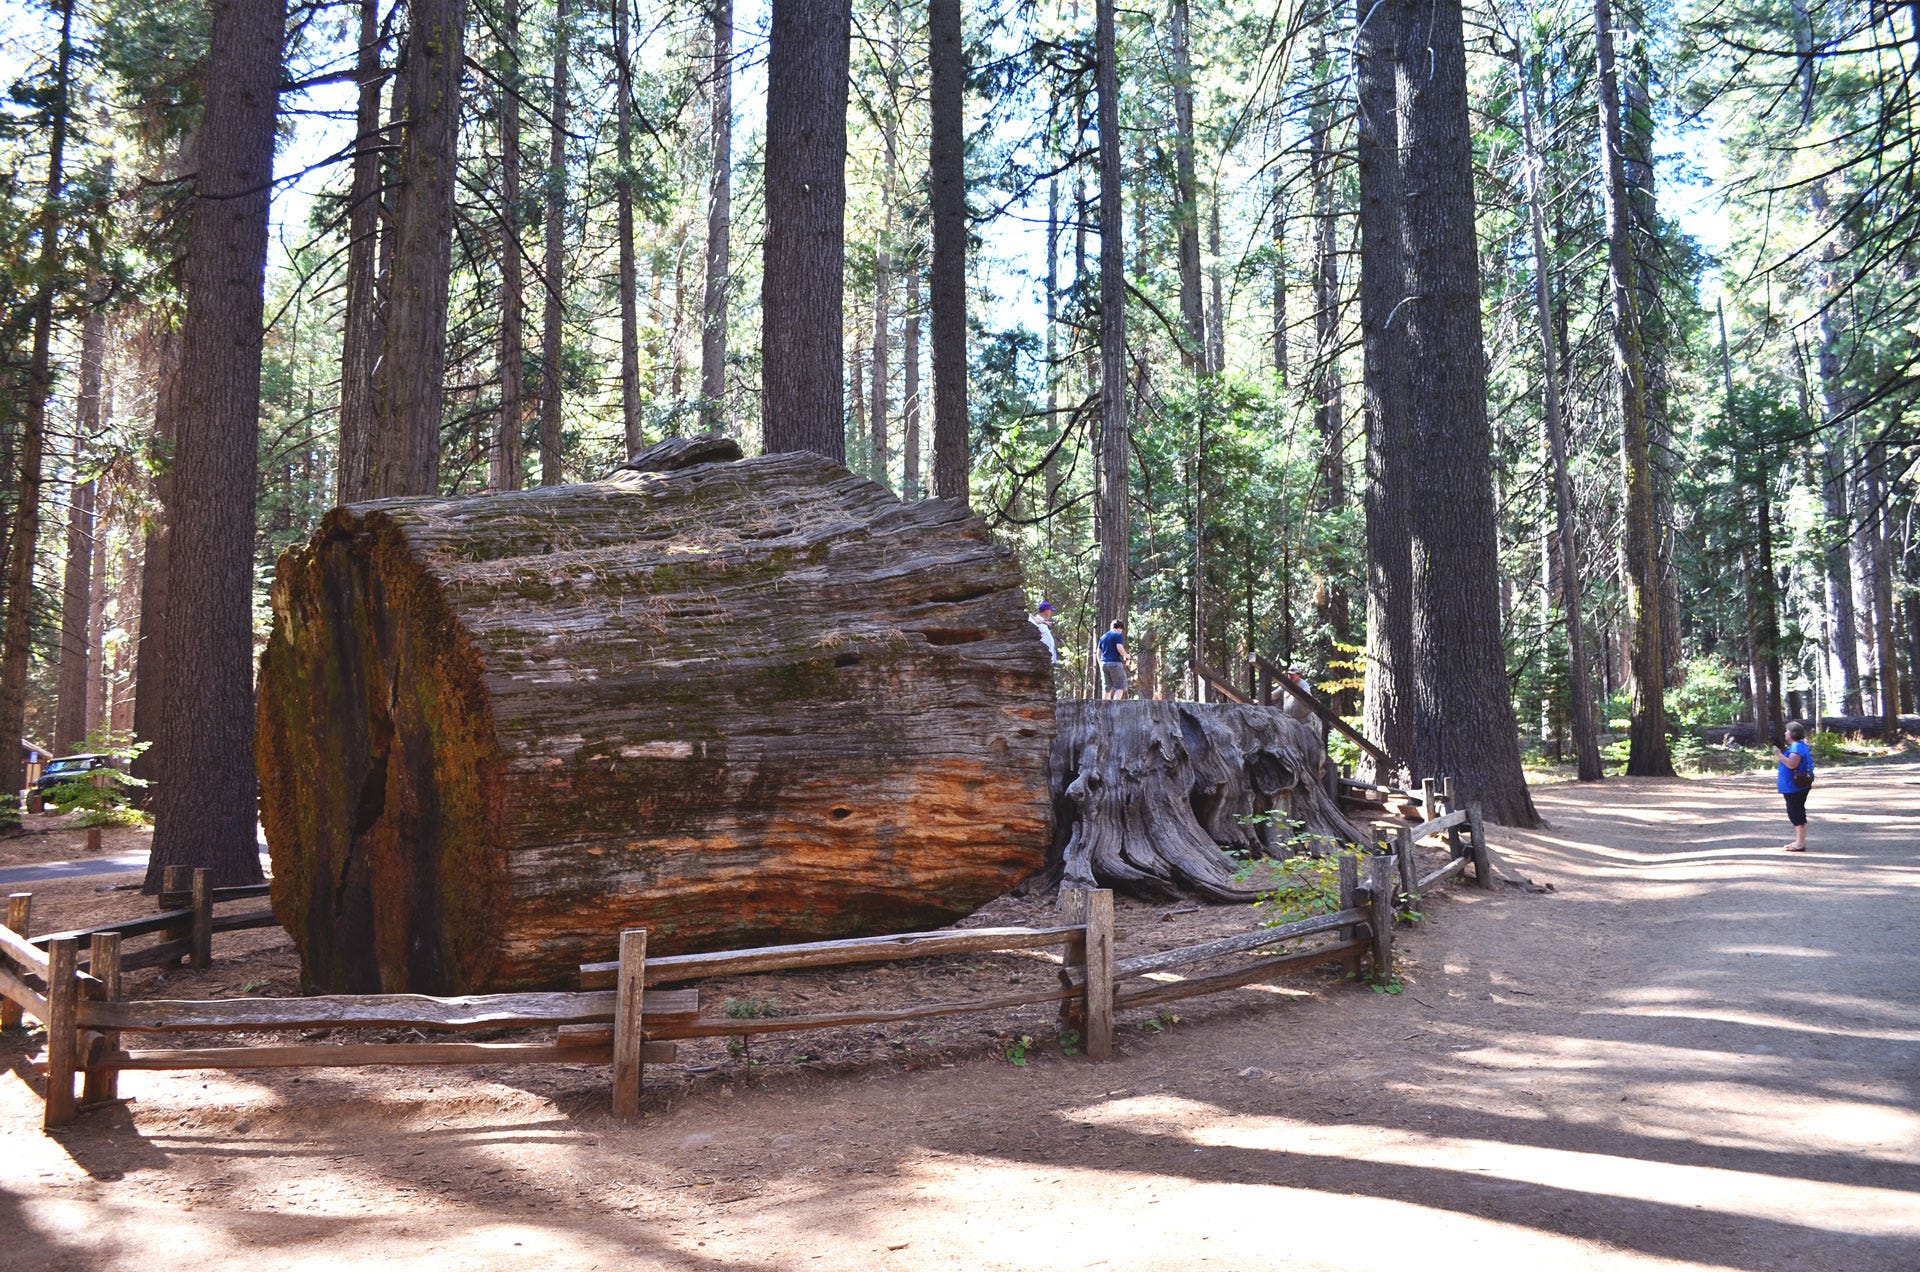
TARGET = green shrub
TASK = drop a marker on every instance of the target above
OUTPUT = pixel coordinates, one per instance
(1709, 693)
(105, 795)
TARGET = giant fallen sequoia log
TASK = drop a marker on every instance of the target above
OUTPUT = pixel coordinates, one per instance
(734, 703)
(1146, 794)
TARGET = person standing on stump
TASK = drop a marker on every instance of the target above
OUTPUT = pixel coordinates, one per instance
(1042, 618)
(1793, 778)
(1115, 661)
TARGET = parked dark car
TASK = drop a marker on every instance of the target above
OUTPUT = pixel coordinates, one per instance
(69, 768)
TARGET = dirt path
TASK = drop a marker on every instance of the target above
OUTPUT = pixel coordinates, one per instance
(1697, 1051)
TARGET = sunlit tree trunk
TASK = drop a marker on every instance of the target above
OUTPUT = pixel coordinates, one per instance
(204, 803)
(1114, 584)
(803, 289)
(1648, 754)
(505, 466)
(410, 388)
(360, 334)
(947, 158)
(78, 635)
(630, 421)
(553, 314)
(713, 331)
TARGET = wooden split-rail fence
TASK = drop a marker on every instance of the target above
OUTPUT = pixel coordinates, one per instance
(623, 1014)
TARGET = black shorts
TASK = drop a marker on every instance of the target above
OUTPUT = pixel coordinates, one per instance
(1796, 806)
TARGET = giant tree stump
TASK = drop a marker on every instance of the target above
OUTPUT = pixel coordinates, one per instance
(1147, 793)
(734, 703)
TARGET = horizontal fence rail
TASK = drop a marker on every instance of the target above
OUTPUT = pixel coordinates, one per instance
(620, 1015)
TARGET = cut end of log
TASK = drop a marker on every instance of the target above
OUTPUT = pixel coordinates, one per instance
(733, 703)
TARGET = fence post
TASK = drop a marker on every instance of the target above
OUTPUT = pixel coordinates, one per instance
(1100, 973)
(1429, 799)
(1446, 794)
(628, 1000)
(103, 961)
(1403, 856)
(1380, 885)
(1482, 857)
(19, 919)
(176, 893)
(202, 919)
(1073, 912)
(63, 1023)
(1349, 899)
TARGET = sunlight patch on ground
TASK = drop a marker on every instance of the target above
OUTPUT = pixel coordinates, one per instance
(1831, 1207)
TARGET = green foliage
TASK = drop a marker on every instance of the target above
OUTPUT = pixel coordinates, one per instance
(105, 795)
(1827, 745)
(1312, 887)
(1709, 693)
(1017, 1053)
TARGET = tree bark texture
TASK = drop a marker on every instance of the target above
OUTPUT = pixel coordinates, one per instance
(204, 803)
(623, 228)
(1147, 793)
(882, 317)
(713, 332)
(1186, 212)
(947, 279)
(509, 428)
(1570, 594)
(360, 336)
(803, 286)
(23, 542)
(1647, 734)
(410, 391)
(910, 391)
(1463, 714)
(78, 635)
(1333, 613)
(1113, 577)
(156, 555)
(734, 703)
(553, 315)
(1388, 703)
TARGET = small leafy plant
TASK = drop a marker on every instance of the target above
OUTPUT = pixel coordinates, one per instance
(746, 1009)
(1017, 1054)
(104, 796)
(1161, 1022)
(1070, 1043)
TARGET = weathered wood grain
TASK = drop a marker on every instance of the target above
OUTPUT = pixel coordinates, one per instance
(1457, 866)
(1266, 969)
(322, 1055)
(1149, 792)
(861, 949)
(369, 1011)
(734, 703)
(720, 1027)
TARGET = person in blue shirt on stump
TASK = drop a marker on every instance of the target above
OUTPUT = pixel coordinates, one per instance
(1794, 778)
(1114, 661)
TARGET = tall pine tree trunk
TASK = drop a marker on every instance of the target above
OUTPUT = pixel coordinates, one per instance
(910, 391)
(1186, 211)
(1114, 580)
(1383, 286)
(947, 283)
(360, 337)
(882, 309)
(713, 332)
(803, 287)
(1648, 754)
(505, 466)
(553, 312)
(1463, 720)
(410, 390)
(78, 635)
(1565, 541)
(149, 660)
(623, 217)
(24, 541)
(1876, 526)
(1332, 610)
(204, 804)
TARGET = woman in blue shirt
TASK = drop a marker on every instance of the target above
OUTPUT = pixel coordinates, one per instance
(1793, 778)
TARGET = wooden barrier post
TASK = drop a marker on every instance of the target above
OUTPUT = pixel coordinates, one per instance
(628, 1003)
(1073, 1009)
(93, 839)
(1380, 902)
(1100, 973)
(202, 920)
(1447, 795)
(1403, 857)
(1482, 857)
(19, 919)
(103, 962)
(1349, 889)
(63, 1024)
(176, 893)
(1429, 799)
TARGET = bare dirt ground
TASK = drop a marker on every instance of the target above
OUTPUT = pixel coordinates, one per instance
(1696, 1051)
